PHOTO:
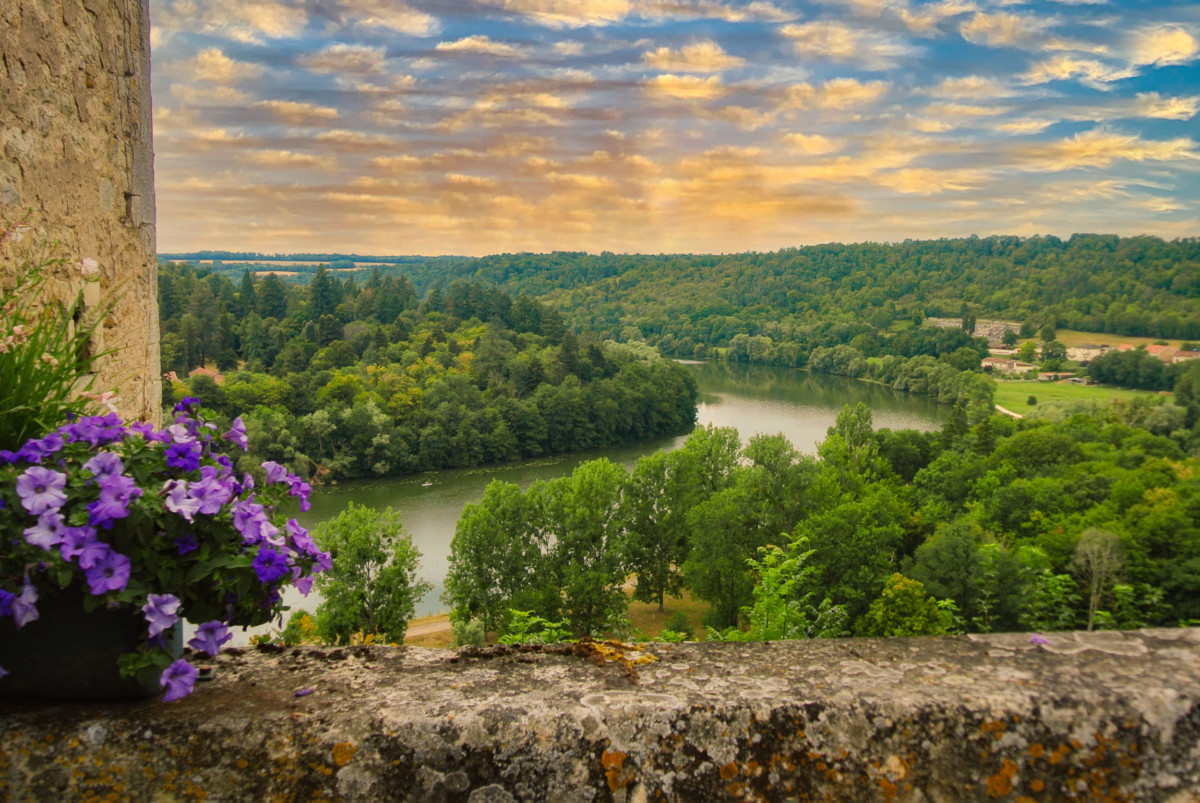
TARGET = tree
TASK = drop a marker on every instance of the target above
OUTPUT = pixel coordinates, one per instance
(904, 609)
(582, 513)
(372, 587)
(321, 295)
(1097, 560)
(497, 559)
(1047, 332)
(1009, 340)
(1027, 352)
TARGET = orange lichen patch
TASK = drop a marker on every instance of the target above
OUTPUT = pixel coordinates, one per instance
(1023, 799)
(321, 768)
(1037, 750)
(996, 727)
(242, 763)
(1001, 784)
(888, 788)
(1058, 753)
(613, 762)
(343, 752)
(729, 771)
(1037, 785)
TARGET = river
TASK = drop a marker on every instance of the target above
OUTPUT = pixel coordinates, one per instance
(754, 399)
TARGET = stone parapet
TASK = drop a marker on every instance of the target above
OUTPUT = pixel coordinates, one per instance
(1101, 716)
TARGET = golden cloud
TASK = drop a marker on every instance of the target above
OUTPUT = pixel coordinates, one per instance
(391, 14)
(1151, 104)
(838, 93)
(286, 159)
(812, 144)
(215, 67)
(1101, 148)
(836, 41)
(343, 59)
(478, 44)
(1164, 45)
(1065, 68)
(1003, 30)
(704, 56)
(588, 13)
(970, 87)
(686, 87)
(295, 113)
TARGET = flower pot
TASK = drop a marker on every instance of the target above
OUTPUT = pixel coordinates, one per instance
(67, 653)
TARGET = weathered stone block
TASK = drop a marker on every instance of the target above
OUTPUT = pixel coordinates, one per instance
(1103, 716)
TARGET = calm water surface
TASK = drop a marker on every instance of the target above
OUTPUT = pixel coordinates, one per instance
(753, 399)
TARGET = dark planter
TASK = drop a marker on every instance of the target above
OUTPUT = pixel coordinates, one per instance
(69, 654)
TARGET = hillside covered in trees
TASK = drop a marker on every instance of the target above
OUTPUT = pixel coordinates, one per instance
(342, 380)
(1000, 526)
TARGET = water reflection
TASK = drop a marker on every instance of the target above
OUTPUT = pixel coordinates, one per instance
(754, 399)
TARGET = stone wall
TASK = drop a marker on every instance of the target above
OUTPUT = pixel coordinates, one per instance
(1080, 716)
(75, 134)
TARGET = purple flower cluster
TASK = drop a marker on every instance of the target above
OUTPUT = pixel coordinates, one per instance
(182, 517)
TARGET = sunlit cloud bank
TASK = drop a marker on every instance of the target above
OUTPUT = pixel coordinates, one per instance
(475, 127)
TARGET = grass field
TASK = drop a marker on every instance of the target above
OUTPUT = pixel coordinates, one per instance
(1071, 338)
(1013, 394)
(434, 631)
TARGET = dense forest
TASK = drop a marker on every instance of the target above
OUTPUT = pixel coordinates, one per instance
(799, 299)
(338, 379)
(999, 526)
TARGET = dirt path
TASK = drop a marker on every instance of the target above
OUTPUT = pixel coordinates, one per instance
(428, 625)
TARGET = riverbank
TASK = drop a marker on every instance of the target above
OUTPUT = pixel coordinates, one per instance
(1014, 393)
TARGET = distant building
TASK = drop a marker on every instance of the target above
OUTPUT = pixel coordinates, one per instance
(1054, 376)
(1086, 353)
(1164, 353)
(1006, 366)
(202, 371)
(1184, 356)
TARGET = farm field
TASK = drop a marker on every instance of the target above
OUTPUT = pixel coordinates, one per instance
(1014, 394)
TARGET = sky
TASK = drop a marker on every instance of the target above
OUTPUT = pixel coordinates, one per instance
(676, 126)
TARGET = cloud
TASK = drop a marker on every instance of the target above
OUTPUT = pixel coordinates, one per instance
(345, 59)
(1003, 30)
(838, 93)
(478, 44)
(1064, 68)
(203, 96)
(213, 66)
(251, 21)
(812, 144)
(970, 87)
(704, 56)
(1100, 148)
(1164, 45)
(927, 181)
(600, 13)
(391, 14)
(285, 159)
(1151, 104)
(341, 136)
(832, 40)
(295, 113)
(686, 87)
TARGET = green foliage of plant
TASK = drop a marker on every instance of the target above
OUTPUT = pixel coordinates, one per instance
(526, 628)
(904, 609)
(45, 359)
(467, 632)
(372, 588)
(677, 626)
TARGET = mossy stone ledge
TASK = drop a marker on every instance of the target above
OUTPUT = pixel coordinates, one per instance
(1088, 716)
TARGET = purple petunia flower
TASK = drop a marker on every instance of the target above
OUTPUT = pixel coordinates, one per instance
(184, 456)
(41, 489)
(162, 612)
(237, 434)
(81, 545)
(1037, 639)
(7, 457)
(188, 401)
(37, 449)
(48, 532)
(186, 543)
(6, 601)
(269, 565)
(248, 518)
(110, 574)
(301, 540)
(210, 636)
(23, 609)
(275, 472)
(178, 500)
(210, 493)
(179, 678)
(302, 582)
(116, 492)
(105, 464)
(301, 490)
